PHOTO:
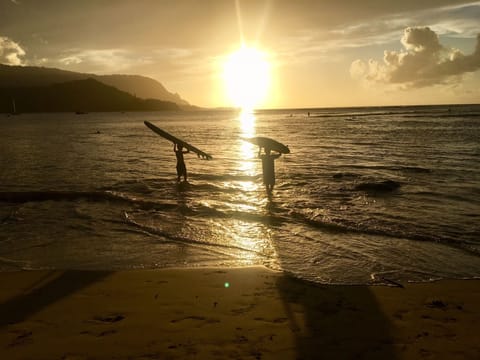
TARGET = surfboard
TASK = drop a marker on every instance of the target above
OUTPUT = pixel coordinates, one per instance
(177, 141)
(268, 143)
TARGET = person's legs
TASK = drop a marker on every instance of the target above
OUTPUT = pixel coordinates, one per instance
(181, 171)
(179, 174)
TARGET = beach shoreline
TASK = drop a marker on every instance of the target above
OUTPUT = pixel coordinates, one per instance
(225, 313)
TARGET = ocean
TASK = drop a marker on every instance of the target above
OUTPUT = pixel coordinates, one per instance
(366, 196)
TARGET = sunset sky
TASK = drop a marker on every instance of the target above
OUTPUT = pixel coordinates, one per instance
(320, 53)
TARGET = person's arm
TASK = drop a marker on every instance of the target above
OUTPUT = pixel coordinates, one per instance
(175, 147)
(185, 152)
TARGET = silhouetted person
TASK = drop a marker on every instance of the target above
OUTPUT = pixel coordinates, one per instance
(181, 168)
(268, 168)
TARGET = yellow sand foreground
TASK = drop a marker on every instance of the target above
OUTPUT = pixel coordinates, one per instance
(244, 313)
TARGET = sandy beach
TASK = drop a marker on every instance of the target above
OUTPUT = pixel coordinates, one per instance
(239, 313)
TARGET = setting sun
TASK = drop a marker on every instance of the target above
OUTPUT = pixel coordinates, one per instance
(247, 77)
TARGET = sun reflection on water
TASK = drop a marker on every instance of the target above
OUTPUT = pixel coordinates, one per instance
(252, 240)
(246, 230)
(247, 150)
(247, 122)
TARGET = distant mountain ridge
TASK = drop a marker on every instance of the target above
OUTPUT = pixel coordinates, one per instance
(136, 85)
(141, 86)
(85, 95)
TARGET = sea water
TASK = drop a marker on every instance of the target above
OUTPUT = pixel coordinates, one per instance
(366, 194)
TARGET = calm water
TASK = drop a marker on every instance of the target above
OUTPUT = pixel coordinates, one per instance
(366, 194)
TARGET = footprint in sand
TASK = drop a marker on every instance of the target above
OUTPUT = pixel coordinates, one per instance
(23, 337)
(197, 318)
(109, 318)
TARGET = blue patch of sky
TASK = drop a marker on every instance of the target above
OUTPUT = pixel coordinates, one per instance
(465, 45)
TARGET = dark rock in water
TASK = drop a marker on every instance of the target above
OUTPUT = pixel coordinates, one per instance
(383, 186)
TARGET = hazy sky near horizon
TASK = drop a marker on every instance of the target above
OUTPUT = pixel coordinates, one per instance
(321, 52)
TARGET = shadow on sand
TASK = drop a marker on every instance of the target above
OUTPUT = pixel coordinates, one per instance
(335, 322)
(50, 288)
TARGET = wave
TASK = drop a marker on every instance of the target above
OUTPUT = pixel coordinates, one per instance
(95, 196)
(342, 225)
(207, 188)
(345, 175)
(378, 187)
(444, 111)
(408, 169)
(370, 186)
(149, 229)
(210, 183)
(277, 216)
(227, 177)
(353, 115)
(7, 264)
(449, 115)
(30, 196)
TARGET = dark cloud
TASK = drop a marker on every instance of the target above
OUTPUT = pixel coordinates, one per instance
(423, 62)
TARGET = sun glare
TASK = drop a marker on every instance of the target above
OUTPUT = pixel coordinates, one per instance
(247, 78)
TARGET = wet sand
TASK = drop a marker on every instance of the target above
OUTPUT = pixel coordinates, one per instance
(244, 313)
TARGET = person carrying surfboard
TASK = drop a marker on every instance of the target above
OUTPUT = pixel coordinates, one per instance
(268, 168)
(181, 168)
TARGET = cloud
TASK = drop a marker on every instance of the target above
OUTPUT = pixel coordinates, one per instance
(456, 20)
(69, 60)
(10, 52)
(101, 61)
(423, 62)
